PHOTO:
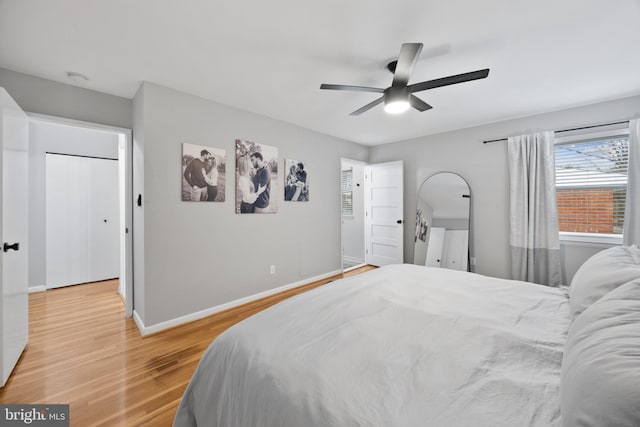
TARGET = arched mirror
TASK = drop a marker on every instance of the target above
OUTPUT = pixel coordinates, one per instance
(442, 222)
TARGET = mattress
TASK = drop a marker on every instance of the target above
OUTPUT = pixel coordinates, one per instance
(402, 345)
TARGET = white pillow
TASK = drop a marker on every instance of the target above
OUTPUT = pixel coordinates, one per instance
(600, 379)
(601, 274)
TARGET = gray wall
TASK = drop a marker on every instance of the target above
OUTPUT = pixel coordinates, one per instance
(200, 255)
(138, 211)
(484, 166)
(49, 137)
(36, 95)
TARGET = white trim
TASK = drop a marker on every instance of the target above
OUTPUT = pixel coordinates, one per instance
(352, 260)
(152, 329)
(33, 289)
(591, 239)
(355, 267)
(77, 123)
(587, 135)
(139, 323)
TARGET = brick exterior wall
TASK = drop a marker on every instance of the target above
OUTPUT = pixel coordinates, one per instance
(586, 210)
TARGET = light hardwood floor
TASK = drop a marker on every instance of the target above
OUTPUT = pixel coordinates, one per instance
(83, 352)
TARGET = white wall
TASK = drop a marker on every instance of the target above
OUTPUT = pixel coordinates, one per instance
(56, 138)
(353, 227)
(484, 166)
(201, 255)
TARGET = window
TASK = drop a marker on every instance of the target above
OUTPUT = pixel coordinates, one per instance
(591, 184)
(346, 189)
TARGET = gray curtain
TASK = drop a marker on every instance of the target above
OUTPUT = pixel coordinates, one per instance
(533, 215)
(632, 208)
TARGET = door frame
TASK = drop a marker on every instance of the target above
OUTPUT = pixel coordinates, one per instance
(126, 199)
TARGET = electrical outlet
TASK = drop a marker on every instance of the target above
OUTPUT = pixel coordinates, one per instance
(473, 260)
(272, 270)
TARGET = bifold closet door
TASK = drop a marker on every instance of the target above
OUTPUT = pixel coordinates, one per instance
(455, 250)
(82, 220)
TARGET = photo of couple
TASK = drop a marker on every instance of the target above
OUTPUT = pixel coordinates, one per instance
(256, 177)
(421, 227)
(296, 188)
(203, 173)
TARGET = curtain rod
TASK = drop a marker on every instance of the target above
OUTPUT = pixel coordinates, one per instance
(567, 130)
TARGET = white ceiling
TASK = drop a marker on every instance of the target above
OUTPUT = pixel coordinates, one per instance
(270, 57)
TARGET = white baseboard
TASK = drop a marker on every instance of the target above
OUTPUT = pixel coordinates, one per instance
(352, 260)
(152, 329)
(139, 323)
(37, 289)
(355, 267)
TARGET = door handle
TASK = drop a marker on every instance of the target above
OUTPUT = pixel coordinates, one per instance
(399, 221)
(7, 246)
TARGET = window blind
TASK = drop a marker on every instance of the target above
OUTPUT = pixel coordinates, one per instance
(346, 186)
(591, 184)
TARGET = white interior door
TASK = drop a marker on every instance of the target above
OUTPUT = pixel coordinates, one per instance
(82, 220)
(384, 230)
(14, 321)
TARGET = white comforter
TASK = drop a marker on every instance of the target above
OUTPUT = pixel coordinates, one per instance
(402, 345)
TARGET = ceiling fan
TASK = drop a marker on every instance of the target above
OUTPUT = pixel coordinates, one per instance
(400, 96)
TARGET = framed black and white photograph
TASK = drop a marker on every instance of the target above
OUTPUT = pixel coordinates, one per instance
(256, 177)
(203, 173)
(296, 187)
(421, 227)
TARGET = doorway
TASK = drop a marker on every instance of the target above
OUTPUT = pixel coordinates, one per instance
(352, 211)
(82, 150)
(372, 213)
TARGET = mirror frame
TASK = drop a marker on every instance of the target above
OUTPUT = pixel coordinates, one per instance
(470, 265)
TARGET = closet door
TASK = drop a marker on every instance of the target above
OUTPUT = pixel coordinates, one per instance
(82, 220)
(104, 220)
(434, 249)
(454, 252)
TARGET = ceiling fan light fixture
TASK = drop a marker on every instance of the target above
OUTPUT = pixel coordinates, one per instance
(396, 107)
(396, 101)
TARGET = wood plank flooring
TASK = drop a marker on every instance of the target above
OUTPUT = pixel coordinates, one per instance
(83, 352)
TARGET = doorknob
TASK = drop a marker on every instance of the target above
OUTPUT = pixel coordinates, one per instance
(14, 246)
(399, 221)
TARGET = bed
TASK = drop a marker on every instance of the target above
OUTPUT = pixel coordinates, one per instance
(407, 345)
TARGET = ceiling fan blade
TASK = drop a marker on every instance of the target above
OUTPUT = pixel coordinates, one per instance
(419, 104)
(367, 107)
(407, 59)
(446, 81)
(352, 88)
